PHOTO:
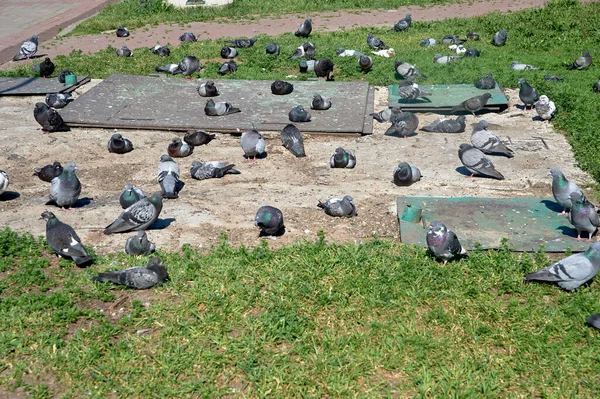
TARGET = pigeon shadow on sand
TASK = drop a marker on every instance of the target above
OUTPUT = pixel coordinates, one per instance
(552, 206)
(9, 196)
(161, 224)
(80, 203)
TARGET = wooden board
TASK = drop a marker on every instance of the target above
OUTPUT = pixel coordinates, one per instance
(165, 103)
(36, 86)
(526, 222)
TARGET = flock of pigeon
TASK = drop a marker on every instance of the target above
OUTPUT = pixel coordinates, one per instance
(139, 212)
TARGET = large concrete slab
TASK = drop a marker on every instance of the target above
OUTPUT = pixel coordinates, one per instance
(127, 101)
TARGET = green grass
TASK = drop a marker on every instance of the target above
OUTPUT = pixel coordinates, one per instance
(311, 319)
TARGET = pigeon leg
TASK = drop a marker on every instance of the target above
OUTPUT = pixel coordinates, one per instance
(45, 131)
(472, 175)
(563, 213)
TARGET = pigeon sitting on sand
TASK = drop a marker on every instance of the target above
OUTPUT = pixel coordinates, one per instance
(241, 43)
(487, 141)
(517, 66)
(272, 48)
(583, 216)
(443, 243)
(562, 189)
(138, 216)
(124, 51)
(500, 37)
(403, 24)
(168, 177)
(64, 241)
(122, 31)
(188, 66)
(270, 221)
(139, 245)
(385, 115)
(527, 94)
(305, 29)
(228, 52)
(212, 170)
(48, 172)
(405, 174)
(582, 62)
(341, 207)
(47, 68)
(179, 149)
(447, 125)
(4, 182)
(130, 195)
(57, 100)
(208, 89)
(66, 188)
(486, 82)
(571, 272)
(342, 158)
(281, 88)
(119, 144)
(292, 140)
(299, 114)
(162, 51)
(405, 70)
(188, 37)
(545, 108)
(28, 49)
(320, 103)
(477, 163)
(219, 109)
(198, 137)
(473, 104)
(253, 144)
(404, 124)
(49, 119)
(227, 67)
(140, 278)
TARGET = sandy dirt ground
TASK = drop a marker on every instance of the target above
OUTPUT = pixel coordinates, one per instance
(207, 208)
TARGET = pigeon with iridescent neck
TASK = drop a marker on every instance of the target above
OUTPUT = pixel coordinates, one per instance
(583, 216)
(443, 243)
(562, 189)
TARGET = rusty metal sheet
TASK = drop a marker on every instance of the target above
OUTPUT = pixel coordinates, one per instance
(37, 86)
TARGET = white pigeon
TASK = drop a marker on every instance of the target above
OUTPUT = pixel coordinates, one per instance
(545, 108)
(458, 48)
(387, 53)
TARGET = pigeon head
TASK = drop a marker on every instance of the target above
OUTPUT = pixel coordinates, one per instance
(408, 17)
(348, 198)
(70, 167)
(461, 118)
(576, 197)
(116, 137)
(176, 140)
(210, 103)
(486, 96)
(437, 228)
(47, 216)
(41, 107)
(522, 81)
(593, 252)
(464, 147)
(544, 99)
(166, 158)
(156, 197)
(556, 173)
(156, 266)
(34, 38)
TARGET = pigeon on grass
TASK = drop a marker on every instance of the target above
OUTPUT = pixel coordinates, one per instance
(443, 243)
(138, 277)
(64, 241)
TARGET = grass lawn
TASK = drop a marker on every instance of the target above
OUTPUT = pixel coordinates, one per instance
(313, 319)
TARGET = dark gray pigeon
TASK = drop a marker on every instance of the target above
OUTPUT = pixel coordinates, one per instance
(65, 189)
(500, 37)
(405, 174)
(227, 67)
(304, 29)
(486, 82)
(28, 49)
(162, 51)
(320, 103)
(281, 88)
(306, 66)
(173, 69)
(582, 62)
(596, 87)
(553, 78)
(324, 68)
(212, 170)
(447, 125)
(270, 221)
(47, 68)
(299, 114)
(140, 278)
(452, 39)
(130, 195)
(292, 140)
(571, 272)
(299, 52)
(188, 66)
(179, 149)
(562, 189)
(188, 37)
(342, 158)
(253, 144)
(198, 137)
(168, 177)
(472, 35)
(58, 100)
(48, 172)
(443, 243)
(473, 104)
(272, 48)
(472, 53)
(122, 31)
(49, 119)
(403, 24)
(365, 62)
(405, 70)
(309, 50)
(404, 124)
(119, 144)
(583, 216)
(594, 321)
(488, 142)
(64, 241)
(124, 51)
(527, 94)
(339, 207)
(241, 43)
(477, 163)
(139, 245)
(208, 89)
(409, 90)
(228, 52)
(375, 43)
(138, 216)
(219, 109)
(62, 74)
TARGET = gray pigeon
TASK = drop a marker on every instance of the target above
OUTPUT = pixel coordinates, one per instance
(596, 87)
(320, 103)
(404, 69)
(324, 68)
(64, 241)
(292, 140)
(140, 278)
(304, 29)
(342, 158)
(306, 66)
(486, 82)
(139, 245)
(517, 66)
(447, 125)
(472, 35)
(124, 51)
(173, 69)
(594, 321)
(138, 216)
(404, 124)
(119, 144)
(227, 67)
(212, 170)
(299, 52)
(342, 52)
(553, 78)
(583, 216)
(375, 43)
(403, 24)
(122, 31)
(272, 48)
(365, 62)
(405, 174)
(253, 144)
(562, 189)
(241, 43)
(178, 149)
(161, 51)
(385, 115)
(443, 243)
(472, 53)
(571, 272)
(477, 163)
(473, 104)
(208, 89)
(62, 75)
(28, 49)
(57, 100)
(545, 108)
(444, 59)
(228, 52)
(339, 207)
(409, 90)
(49, 119)
(188, 37)
(65, 189)
(500, 37)
(48, 172)
(582, 62)
(488, 142)
(428, 42)
(168, 177)
(220, 108)
(309, 50)
(452, 39)
(281, 88)
(198, 137)
(188, 66)
(130, 195)
(527, 94)
(270, 221)
(4, 182)
(299, 114)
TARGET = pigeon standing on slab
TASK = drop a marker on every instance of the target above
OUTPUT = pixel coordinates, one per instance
(527, 94)
(500, 37)
(228, 52)
(342, 158)
(376, 43)
(161, 51)
(281, 88)
(405, 174)
(57, 100)
(28, 49)
(124, 51)
(179, 149)
(477, 163)
(583, 216)
(571, 272)
(292, 140)
(208, 89)
(139, 245)
(409, 90)
(488, 142)
(138, 216)
(173, 69)
(594, 321)
(119, 144)
(443, 243)
(365, 62)
(253, 144)
(582, 62)
(49, 119)
(188, 37)
(447, 126)
(486, 82)
(272, 48)
(212, 170)
(241, 43)
(198, 137)
(517, 66)
(473, 104)
(47, 68)
(188, 66)
(405, 70)
(339, 207)
(227, 67)
(4, 181)
(65, 189)
(64, 241)
(130, 195)
(269, 220)
(168, 177)
(299, 114)
(62, 75)
(562, 189)
(403, 24)
(48, 172)
(140, 278)
(545, 108)
(324, 68)
(219, 109)
(122, 31)
(304, 29)
(320, 103)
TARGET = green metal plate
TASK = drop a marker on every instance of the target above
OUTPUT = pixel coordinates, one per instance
(36, 86)
(526, 222)
(444, 97)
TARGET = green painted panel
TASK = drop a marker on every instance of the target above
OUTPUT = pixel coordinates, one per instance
(36, 86)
